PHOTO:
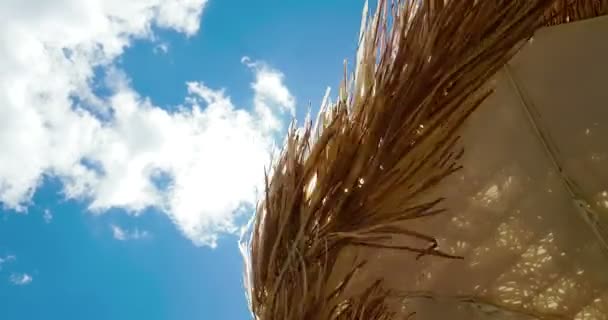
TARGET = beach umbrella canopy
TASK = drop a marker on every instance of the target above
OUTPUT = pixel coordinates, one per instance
(462, 173)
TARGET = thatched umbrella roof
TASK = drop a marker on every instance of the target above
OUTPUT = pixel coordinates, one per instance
(461, 174)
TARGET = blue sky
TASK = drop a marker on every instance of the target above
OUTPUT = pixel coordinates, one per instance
(111, 207)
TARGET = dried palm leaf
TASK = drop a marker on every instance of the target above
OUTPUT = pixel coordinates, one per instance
(361, 182)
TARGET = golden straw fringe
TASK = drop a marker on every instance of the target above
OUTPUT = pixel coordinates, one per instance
(360, 174)
(565, 11)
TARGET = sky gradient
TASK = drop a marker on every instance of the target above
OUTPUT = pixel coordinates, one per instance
(133, 139)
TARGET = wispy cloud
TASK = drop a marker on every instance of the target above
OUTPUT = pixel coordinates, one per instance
(161, 48)
(7, 259)
(47, 216)
(20, 279)
(123, 235)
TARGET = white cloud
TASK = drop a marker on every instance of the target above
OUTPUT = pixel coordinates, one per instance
(200, 164)
(47, 216)
(271, 94)
(121, 234)
(48, 52)
(181, 15)
(6, 259)
(20, 279)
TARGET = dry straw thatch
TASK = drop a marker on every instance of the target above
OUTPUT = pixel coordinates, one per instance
(357, 177)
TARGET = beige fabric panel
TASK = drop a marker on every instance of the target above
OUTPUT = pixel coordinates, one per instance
(532, 236)
(570, 93)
